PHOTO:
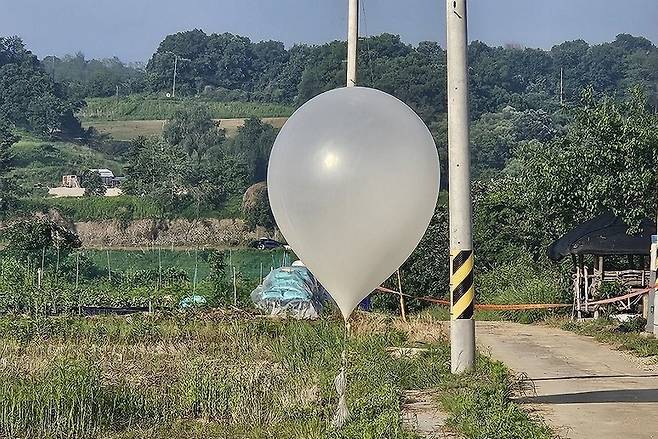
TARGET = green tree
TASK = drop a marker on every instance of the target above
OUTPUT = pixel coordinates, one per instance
(426, 271)
(8, 189)
(228, 66)
(212, 173)
(195, 132)
(256, 208)
(254, 141)
(93, 184)
(605, 162)
(28, 96)
(224, 176)
(156, 169)
(495, 136)
(39, 237)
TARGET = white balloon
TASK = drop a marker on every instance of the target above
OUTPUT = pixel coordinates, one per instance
(353, 180)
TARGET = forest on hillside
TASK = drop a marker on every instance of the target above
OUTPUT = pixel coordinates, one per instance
(232, 67)
(519, 96)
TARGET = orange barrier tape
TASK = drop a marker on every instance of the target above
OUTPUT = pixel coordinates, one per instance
(483, 306)
(620, 298)
(521, 306)
(516, 306)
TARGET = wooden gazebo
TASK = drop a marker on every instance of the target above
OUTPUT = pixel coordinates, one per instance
(603, 251)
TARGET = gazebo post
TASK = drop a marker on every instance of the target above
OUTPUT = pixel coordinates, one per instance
(602, 275)
(574, 284)
(576, 290)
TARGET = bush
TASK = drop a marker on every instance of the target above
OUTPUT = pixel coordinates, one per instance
(522, 281)
(39, 238)
(256, 207)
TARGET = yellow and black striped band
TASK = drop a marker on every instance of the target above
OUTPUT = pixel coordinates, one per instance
(462, 291)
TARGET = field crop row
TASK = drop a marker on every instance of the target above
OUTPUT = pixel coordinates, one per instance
(139, 107)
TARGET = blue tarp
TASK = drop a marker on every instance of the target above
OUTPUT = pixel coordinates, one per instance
(289, 290)
(192, 301)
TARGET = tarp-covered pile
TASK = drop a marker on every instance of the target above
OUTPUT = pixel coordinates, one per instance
(292, 291)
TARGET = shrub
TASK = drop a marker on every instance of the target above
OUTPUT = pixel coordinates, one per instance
(256, 207)
(522, 281)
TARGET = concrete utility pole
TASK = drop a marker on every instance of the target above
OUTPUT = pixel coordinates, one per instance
(176, 58)
(352, 41)
(561, 86)
(173, 87)
(462, 293)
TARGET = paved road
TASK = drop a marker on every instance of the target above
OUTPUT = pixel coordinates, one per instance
(583, 389)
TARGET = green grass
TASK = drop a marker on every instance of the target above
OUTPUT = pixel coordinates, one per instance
(217, 376)
(481, 407)
(40, 164)
(622, 336)
(144, 107)
(519, 282)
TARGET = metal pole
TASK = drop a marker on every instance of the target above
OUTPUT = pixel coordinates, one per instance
(196, 267)
(352, 41)
(235, 290)
(561, 87)
(462, 326)
(77, 278)
(653, 297)
(109, 270)
(173, 86)
(403, 312)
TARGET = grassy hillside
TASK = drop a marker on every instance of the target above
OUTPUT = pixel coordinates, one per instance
(39, 164)
(142, 107)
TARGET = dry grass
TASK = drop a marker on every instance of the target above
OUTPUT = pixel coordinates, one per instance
(230, 374)
(224, 373)
(130, 129)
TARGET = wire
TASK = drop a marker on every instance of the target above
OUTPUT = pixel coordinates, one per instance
(367, 37)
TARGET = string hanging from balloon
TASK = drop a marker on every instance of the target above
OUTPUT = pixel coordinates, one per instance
(342, 412)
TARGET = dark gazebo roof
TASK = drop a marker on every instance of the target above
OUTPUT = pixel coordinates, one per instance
(603, 235)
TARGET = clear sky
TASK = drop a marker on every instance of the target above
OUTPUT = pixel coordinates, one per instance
(132, 29)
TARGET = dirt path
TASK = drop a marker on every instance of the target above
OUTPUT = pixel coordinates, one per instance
(583, 388)
(421, 414)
